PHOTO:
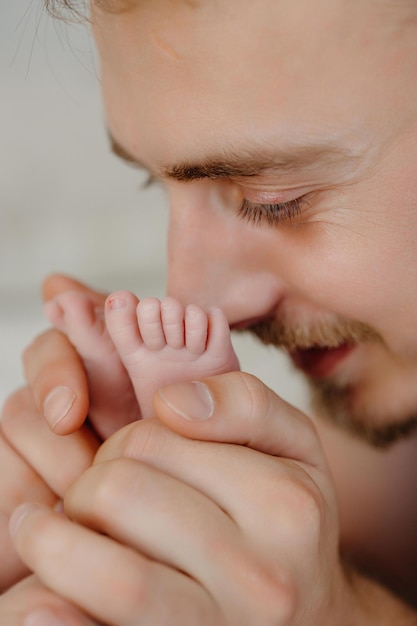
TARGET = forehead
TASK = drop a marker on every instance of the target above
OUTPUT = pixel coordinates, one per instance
(195, 68)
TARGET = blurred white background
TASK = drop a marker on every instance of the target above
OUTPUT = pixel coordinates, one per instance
(66, 204)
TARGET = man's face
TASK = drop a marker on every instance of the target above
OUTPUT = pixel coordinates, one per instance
(285, 132)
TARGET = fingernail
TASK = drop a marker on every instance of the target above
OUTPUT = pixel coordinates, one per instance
(19, 515)
(58, 404)
(45, 617)
(193, 400)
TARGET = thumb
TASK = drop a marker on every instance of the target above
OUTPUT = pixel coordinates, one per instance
(238, 408)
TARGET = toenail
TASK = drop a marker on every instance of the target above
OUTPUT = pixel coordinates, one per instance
(117, 303)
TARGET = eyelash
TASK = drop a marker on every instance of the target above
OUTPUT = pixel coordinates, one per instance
(149, 181)
(255, 213)
(271, 214)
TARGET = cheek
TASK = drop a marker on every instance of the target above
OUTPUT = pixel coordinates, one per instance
(365, 273)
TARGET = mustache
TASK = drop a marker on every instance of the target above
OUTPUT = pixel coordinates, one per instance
(319, 334)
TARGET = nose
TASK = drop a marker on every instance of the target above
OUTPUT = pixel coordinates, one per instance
(214, 259)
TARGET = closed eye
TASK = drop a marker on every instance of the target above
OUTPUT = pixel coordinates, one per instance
(271, 214)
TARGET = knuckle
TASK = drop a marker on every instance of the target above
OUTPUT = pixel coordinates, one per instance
(145, 439)
(110, 486)
(308, 506)
(291, 495)
(270, 593)
(35, 346)
(276, 597)
(256, 396)
(51, 343)
(38, 535)
(130, 585)
(18, 408)
(13, 402)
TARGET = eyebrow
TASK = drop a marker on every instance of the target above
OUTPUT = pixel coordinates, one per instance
(118, 150)
(247, 164)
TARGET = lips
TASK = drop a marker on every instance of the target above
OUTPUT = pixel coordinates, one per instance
(320, 362)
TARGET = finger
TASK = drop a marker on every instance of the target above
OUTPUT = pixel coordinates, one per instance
(180, 527)
(58, 283)
(58, 461)
(29, 603)
(238, 408)
(12, 569)
(56, 376)
(240, 480)
(112, 583)
(18, 483)
(174, 524)
(138, 505)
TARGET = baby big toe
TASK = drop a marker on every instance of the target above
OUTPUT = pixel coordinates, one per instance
(121, 321)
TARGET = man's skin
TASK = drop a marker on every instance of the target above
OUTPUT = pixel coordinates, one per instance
(266, 103)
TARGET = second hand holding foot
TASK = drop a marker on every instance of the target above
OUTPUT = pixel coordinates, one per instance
(232, 517)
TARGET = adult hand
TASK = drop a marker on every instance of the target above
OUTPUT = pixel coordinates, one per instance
(36, 465)
(221, 513)
(29, 603)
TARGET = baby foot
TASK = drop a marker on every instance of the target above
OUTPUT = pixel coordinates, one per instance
(160, 342)
(112, 399)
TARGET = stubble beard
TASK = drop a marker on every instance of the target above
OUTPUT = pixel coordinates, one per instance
(330, 399)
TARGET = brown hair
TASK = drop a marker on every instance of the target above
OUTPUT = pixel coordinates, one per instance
(66, 8)
(70, 9)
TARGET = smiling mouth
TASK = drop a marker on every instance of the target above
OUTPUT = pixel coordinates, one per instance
(317, 349)
(320, 362)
